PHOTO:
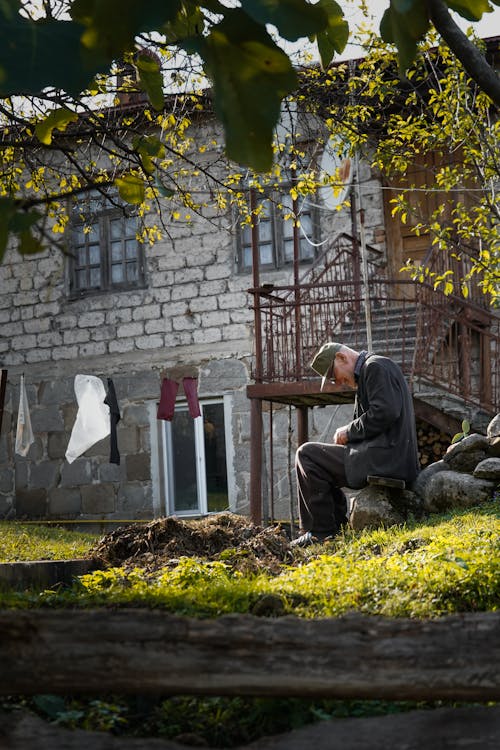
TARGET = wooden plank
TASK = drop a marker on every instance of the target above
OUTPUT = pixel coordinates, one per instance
(144, 651)
(400, 484)
(475, 728)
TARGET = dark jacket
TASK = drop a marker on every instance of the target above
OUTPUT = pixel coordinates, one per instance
(382, 436)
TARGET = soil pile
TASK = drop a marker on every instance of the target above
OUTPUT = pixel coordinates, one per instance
(227, 537)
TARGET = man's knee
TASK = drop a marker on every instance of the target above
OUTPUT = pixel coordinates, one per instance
(303, 453)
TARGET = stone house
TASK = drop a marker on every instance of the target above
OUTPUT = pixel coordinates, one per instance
(113, 308)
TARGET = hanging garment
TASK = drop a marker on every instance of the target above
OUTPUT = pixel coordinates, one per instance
(24, 433)
(168, 393)
(190, 386)
(92, 421)
(114, 417)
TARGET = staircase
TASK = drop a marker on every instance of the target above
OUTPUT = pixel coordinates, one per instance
(448, 347)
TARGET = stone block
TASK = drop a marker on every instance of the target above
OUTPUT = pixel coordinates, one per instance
(6, 481)
(57, 444)
(64, 502)
(31, 503)
(56, 392)
(112, 472)
(138, 467)
(136, 414)
(47, 419)
(45, 474)
(128, 439)
(134, 500)
(77, 473)
(223, 375)
(98, 498)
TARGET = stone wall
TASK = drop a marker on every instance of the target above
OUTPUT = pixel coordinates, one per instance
(191, 315)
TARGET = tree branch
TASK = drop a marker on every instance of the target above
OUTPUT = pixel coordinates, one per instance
(471, 58)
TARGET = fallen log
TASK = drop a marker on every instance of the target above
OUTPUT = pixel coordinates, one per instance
(474, 728)
(148, 651)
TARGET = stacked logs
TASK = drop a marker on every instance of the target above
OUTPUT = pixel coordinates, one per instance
(432, 444)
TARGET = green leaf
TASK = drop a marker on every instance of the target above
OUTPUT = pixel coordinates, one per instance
(471, 10)
(131, 188)
(6, 211)
(189, 22)
(334, 38)
(150, 79)
(247, 69)
(148, 147)
(22, 220)
(112, 25)
(405, 30)
(28, 244)
(293, 18)
(37, 54)
(465, 426)
(58, 119)
(163, 190)
(457, 437)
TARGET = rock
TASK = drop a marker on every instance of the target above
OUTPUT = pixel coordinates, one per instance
(488, 469)
(466, 461)
(376, 506)
(493, 429)
(451, 489)
(419, 485)
(474, 442)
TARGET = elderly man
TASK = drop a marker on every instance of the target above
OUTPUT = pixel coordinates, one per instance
(380, 440)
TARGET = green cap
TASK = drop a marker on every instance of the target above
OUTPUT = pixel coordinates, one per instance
(324, 358)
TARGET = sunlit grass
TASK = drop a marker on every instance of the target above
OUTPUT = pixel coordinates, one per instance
(447, 564)
(20, 541)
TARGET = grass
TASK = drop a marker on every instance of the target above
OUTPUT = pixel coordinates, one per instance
(445, 564)
(20, 541)
(427, 569)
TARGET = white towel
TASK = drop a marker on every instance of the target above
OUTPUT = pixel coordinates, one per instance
(92, 421)
(24, 433)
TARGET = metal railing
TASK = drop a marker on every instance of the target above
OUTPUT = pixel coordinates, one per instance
(446, 341)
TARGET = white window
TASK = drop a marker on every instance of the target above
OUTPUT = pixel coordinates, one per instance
(196, 456)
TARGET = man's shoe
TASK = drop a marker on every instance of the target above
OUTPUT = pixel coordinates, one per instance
(304, 540)
(308, 538)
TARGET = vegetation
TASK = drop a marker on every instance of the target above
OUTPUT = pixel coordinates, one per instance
(214, 721)
(447, 564)
(62, 134)
(20, 541)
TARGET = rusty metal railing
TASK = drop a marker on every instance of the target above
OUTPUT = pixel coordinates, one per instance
(446, 341)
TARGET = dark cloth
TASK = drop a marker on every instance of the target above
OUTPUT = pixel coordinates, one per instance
(382, 440)
(114, 417)
(190, 386)
(168, 394)
(320, 476)
(382, 436)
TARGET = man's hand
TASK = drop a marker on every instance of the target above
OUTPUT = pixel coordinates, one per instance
(340, 437)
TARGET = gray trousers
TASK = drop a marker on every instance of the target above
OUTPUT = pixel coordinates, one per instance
(320, 477)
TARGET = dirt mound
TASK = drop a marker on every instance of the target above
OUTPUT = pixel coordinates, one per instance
(231, 538)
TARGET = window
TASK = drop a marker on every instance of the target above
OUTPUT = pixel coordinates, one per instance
(276, 233)
(105, 251)
(195, 460)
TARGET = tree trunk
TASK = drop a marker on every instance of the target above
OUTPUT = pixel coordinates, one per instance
(141, 651)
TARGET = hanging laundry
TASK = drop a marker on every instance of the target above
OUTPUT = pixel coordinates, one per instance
(92, 421)
(190, 386)
(168, 393)
(24, 433)
(114, 416)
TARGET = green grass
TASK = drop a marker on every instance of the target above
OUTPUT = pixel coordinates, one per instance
(447, 564)
(20, 541)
